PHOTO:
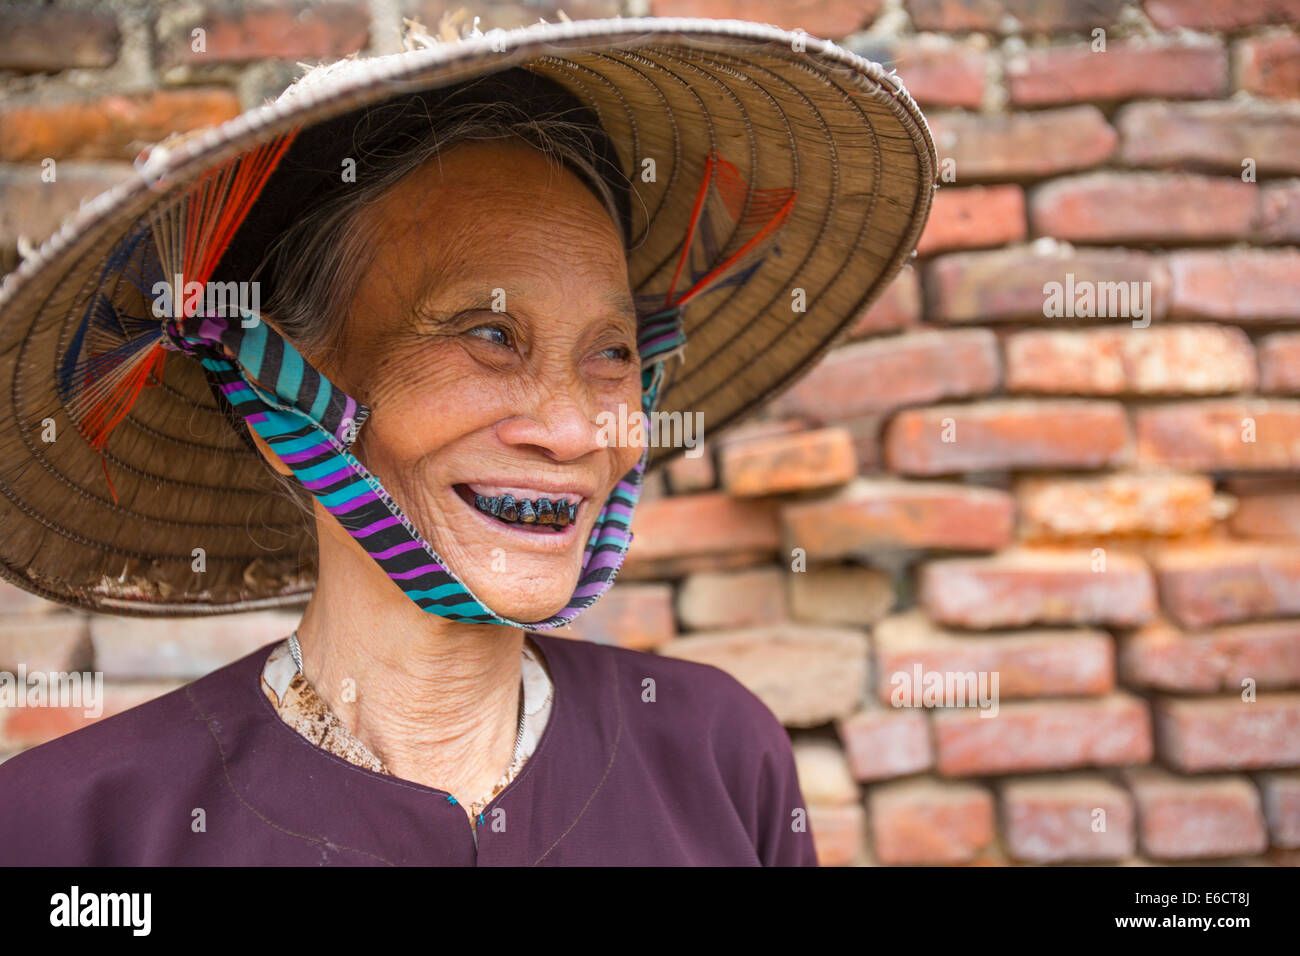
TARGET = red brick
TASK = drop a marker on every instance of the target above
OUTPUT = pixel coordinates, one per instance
(1223, 582)
(1216, 15)
(47, 642)
(1271, 515)
(36, 209)
(1198, 818)
(676, 566)
(939, 71)
(1269, 65)
(1194, 359)
(1280, 794)
(1277, 212)
(1006, 435)
(264, 31)
(1013, 16)
(1055, 820)
(1213, 435)
(840, 594)
(1246, 285)
(1144, 207)
(166, 648)
(108, 127)
(1215, 136)
(1161, 657)
(809, 460)
(726, 599)
(973, 217)
(1024, 586)
(898, 307)
(1228, 733)
(880, 375)
(22, 727)
(924, 821)
(1043, 735)
(839, 833)
(807, 675)
(1121, 504)
(701, 525)
(688, 475)
(821, 18)
(989, 147)
(881, 743)
(1008, 284)
(1126, 70)
(635, 616)
(41, 39)
(872, 515)
(823, 772)
(1039, 663)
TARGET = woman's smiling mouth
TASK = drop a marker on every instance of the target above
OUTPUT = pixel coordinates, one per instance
(527, 509)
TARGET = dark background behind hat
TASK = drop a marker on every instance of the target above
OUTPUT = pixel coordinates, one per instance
(1135, 157)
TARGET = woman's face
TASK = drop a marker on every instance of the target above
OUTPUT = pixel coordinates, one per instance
(492, 327)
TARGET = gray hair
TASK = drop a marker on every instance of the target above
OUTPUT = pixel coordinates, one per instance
(319, 260)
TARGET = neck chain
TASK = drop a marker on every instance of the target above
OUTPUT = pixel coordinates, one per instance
(295, 650)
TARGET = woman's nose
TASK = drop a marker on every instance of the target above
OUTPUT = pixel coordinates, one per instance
(558, 424)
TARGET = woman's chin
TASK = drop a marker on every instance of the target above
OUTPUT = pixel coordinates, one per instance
(528, 595)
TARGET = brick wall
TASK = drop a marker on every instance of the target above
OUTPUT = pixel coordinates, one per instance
(1100, 512)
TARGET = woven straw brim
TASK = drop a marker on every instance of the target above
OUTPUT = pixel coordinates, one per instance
(787, 110)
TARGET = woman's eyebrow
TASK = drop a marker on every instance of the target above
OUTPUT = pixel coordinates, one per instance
(623, 305)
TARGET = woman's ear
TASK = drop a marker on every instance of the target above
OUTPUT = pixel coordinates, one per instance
(271, 457)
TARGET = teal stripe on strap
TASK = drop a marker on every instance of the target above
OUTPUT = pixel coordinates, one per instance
(252, 347)
(290, 374)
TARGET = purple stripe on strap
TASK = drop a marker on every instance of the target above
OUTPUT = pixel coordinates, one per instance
(232, 387)
(212, 327)
(329, 479)
(306, 453)
(394, 550)
(416, 572)
(374, 526)
(348, 507)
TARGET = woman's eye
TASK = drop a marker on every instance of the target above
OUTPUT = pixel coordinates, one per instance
(493, 333)
(619, 353)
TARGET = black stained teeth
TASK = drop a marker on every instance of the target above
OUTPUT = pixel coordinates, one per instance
(508, 508)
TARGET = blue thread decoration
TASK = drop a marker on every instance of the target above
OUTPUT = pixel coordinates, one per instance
(451, 799)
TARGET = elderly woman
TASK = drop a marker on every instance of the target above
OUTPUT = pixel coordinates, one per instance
(466, 264)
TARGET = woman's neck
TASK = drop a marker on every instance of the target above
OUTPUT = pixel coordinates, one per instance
(436, 700)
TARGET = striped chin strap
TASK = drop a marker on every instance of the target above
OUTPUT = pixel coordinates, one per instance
(311, 424)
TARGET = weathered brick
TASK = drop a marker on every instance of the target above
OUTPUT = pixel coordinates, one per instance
(823, 772)
(880, 375)
(635, 616)
(1216, 136)
(1279, 363)
(35, 209)
(23, 727)
(993, 147)
(1125, 70)
(1268, 514)
(926, 821)
(1043, 735)
(1200, 818)
(1214, 15)
(688, 475)
(1159, 656)
(1268, 65)
(727, 599)
(47, 642)
(939, 71)
(872, 515)
(264, 31)
(1277, 212)
(1228, 733)
(1280, 795)
(1039, 663)
(1144, 207)
(807, 675)
(1013, 16)
(973, 217)
(701, 526)
(1223, 582)
(46, 39)
(1193, 359)
(167, 648)
(1013, 284)
(1061, 508)
(821, 18)
(1024, 586)
(809, 460)
(839, 833)
(898, 307)
(1246, 285)
(115, 126)
(840, 594)
(1220, 435)
(678, 566)
(1056, 820)
(881, 743)
(1007, 435)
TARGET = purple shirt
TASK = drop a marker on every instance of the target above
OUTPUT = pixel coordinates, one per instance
(702, 775)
